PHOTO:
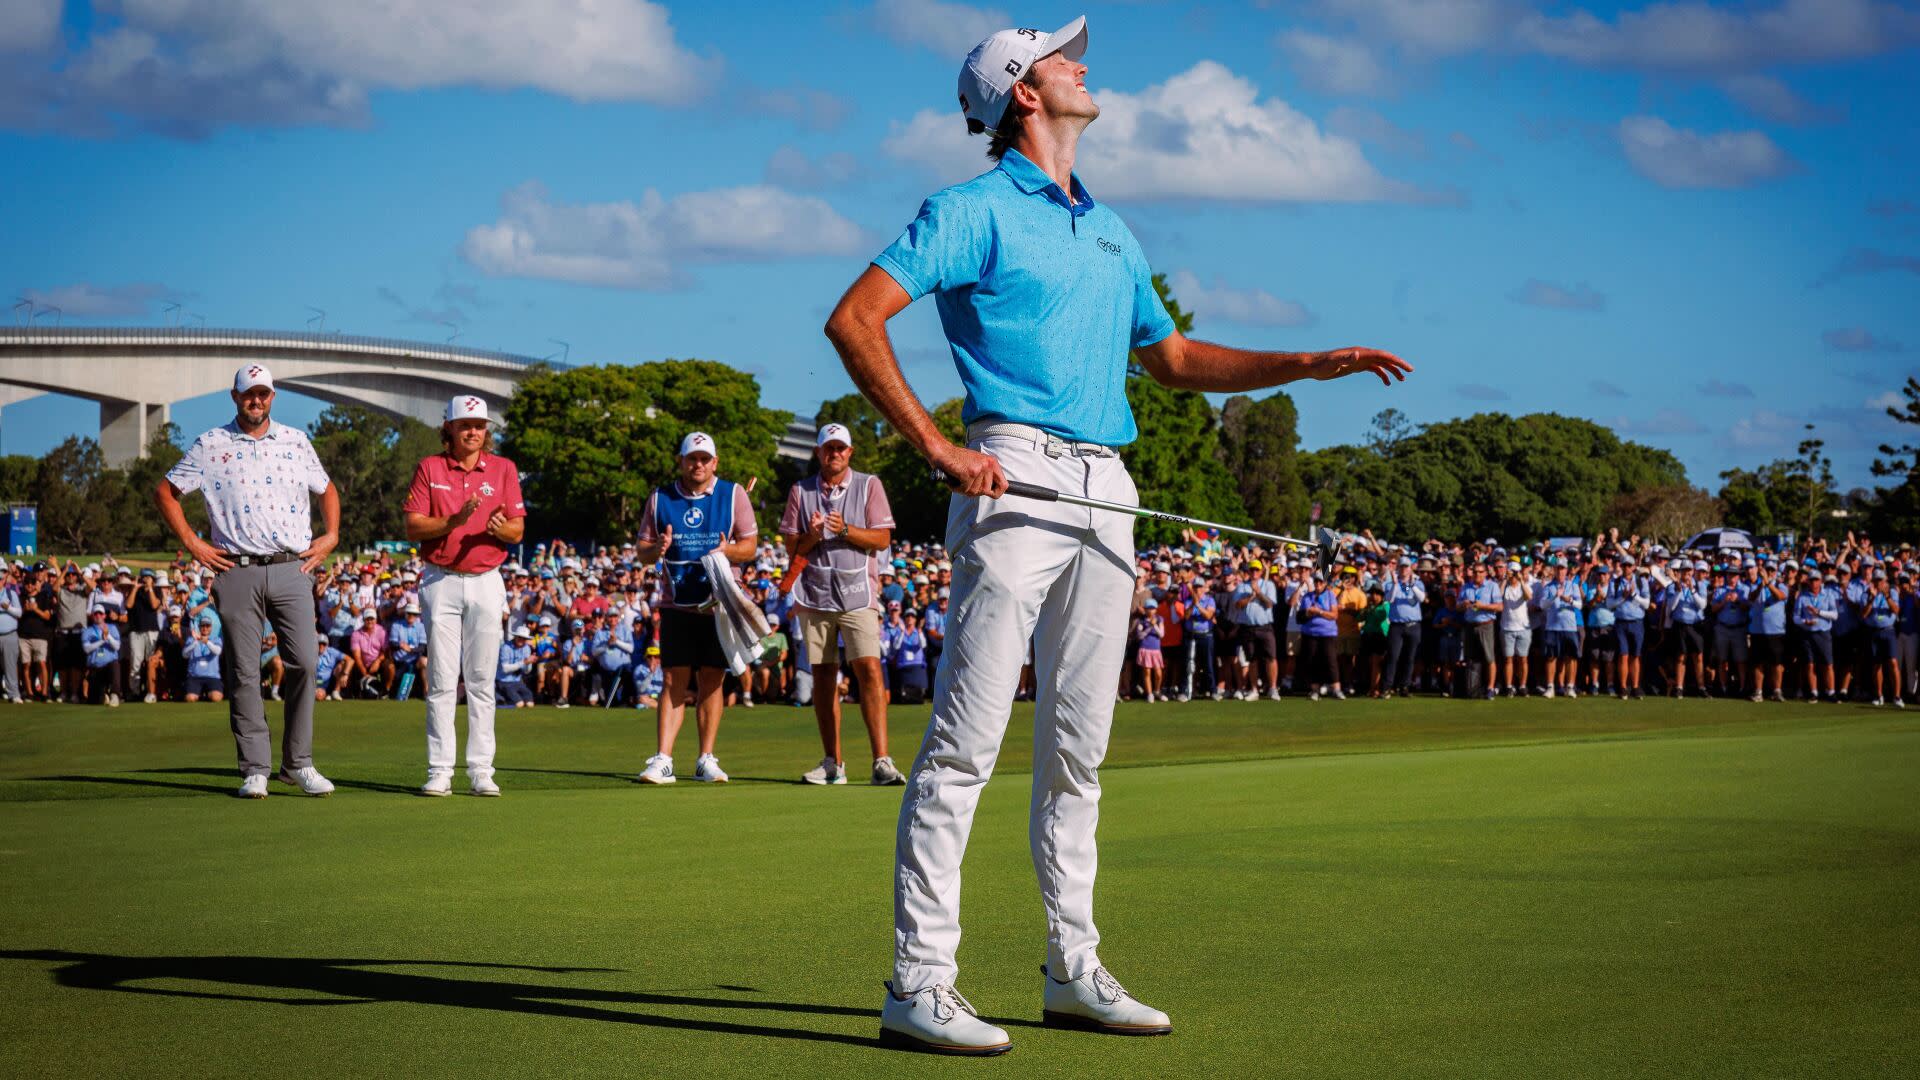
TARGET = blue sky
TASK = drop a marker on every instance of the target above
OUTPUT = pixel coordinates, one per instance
(1699, 224)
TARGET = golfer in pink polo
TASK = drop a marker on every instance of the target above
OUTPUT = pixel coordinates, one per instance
(463, 509)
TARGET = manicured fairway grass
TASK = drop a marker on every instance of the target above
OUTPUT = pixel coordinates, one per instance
(1408, 888)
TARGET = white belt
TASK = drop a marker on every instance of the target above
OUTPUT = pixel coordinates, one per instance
(1044, 441)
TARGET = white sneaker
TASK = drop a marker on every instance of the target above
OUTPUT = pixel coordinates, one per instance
(1219, 695)
(1547, 693)
(886, 773)
(938, 1020)
(113, 701)
(659, 770)
(828, 771)
(1879, 702)
(1570, 693)
(562, 704)
(706, 769)
(1097, 1002)
(437, 785)
(149, 699)
(1339, 694)
(484, 787)
(1183, 697)
(255, 787)
(274, 692)
(1754, 697)
(1313, 695)
(308, 780)
(593, 699)
(1274, 695)
(746, 700)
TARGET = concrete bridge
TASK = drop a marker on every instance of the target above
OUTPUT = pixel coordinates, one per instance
(136, 374)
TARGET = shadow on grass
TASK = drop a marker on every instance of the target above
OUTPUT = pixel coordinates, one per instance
(282, 980)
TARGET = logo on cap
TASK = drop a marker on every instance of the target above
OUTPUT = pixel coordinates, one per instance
(473, 403)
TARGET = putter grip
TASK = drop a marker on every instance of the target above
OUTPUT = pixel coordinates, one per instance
(1014, 487)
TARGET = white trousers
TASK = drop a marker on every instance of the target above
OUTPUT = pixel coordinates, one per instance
(1061, 578)
(463, 640)
(1907, 650)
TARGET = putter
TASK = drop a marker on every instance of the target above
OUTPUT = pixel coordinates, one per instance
(1323, 549)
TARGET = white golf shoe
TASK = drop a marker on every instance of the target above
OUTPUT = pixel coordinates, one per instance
(484, 786)
(307, 780)
(706, 769)
(659, 770)
(828, 771)
(437, 785)
(886, 773)
(254, 787)
(1097, 1002)
(938, 1020)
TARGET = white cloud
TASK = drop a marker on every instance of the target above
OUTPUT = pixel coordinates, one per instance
(790, 167)
(1546, 294)
(189, 67)
(1765, 431)
(1696, 37)
(1481, 392)
(1203, 134)
(1333, 65)
(1891, 399)
(1724, 389)
(949, 29)
(1774, 101)
(1688, 37)
(806, 108)
(83, 300)
(646, 244)
(1432, 27)
(1367, 126)
(28, 25)
(1666, 422)
(1678, 158)
(1857, 339)
(1248, 307)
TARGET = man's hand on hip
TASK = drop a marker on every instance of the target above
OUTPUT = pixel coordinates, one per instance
(318, 551)
(208, 555)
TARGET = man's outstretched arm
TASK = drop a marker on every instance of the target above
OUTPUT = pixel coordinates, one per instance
(1186, 364)
(858, 329)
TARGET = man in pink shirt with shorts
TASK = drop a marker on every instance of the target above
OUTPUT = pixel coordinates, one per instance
(463, 509)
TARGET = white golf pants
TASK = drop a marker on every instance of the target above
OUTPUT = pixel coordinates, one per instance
(1060, 577)
(463, 640)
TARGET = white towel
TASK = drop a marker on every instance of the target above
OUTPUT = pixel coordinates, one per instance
(742, 625)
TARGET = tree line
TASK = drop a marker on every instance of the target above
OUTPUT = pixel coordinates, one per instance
(591, 442)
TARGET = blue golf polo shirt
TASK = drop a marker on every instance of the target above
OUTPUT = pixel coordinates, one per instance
(1041, 297)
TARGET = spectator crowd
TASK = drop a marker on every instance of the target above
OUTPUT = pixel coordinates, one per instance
(1210, 620)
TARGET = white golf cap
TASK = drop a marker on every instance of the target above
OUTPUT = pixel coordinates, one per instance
(698, 442)
(467, 407)
(994, 65)
(251, 376)
(835, 433)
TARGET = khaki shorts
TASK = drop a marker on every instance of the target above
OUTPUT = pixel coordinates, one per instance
(823, 631)
(33, 650)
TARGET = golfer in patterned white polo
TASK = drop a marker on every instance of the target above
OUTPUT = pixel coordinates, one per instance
(463, 509)
(1042, 293)
(256, 476)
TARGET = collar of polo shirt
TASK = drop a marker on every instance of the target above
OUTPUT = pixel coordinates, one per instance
(1030, 178)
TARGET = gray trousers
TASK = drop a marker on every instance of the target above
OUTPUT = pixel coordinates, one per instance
(140, 645)
(10, 664)
(282, 595)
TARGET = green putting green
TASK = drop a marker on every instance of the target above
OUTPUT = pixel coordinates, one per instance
(1368, 889)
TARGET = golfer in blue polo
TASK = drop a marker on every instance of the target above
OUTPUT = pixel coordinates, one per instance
(1042, 292)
